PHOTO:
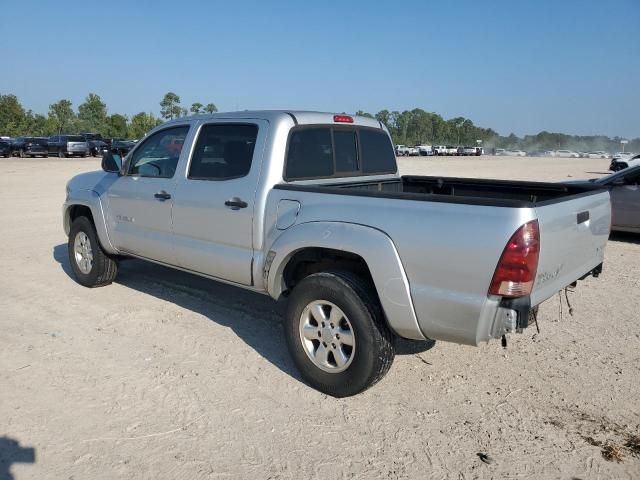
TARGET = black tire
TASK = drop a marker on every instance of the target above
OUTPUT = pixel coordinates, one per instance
(374, 343)
(104, 268)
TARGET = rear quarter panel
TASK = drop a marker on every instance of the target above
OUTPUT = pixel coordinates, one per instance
(448, 251)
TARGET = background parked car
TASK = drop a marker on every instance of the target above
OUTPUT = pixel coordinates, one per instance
(621, 163)
(29, 147)
(424, 150)
(97, 145)
(624, 189)
(122, 147)
(567, 154)
(5, 148)
(68, 146)
(598, 154)
(467, 151)
(402, 151)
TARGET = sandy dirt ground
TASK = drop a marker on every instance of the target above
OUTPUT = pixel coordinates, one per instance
(164, 375)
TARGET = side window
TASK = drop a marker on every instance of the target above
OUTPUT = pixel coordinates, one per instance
(223, 152)
(310, 154)
(158, 155)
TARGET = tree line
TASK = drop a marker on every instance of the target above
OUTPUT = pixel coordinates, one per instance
(415, 127)
(91, 116)
(409, 127)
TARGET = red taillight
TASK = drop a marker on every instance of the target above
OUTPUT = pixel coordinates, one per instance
(516, 270)
(342, 119)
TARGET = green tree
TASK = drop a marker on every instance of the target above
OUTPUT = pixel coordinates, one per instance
(116, 126)
(35, 124)
(141, 123)
(62, 116)
(170, 106)
(12, 115)
(196, 108)
(92, 114)
(362, 113)
(211, 108)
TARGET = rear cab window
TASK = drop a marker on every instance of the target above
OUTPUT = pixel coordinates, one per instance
(327, 151)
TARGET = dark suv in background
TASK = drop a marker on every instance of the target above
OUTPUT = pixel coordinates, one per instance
(29, 147)
(97, 144)
(5, 148)
(68, 146)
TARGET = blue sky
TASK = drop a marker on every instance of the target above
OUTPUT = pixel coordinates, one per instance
(515, 66)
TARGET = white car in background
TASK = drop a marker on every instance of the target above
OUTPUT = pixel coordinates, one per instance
(424, 150)
(515, 153)
(567, 154)
(598, 154)
(620, 163)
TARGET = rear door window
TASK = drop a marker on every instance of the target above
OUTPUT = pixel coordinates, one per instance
(310, 153)
(223, 152)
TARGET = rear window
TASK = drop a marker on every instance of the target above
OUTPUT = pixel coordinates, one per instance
(377, 153)
(323, 152)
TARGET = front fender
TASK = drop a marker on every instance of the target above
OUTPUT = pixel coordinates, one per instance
(92, 200)
(374, 246)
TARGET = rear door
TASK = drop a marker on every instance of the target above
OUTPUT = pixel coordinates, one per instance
(573, 233)
(214, 202)
(140, 201)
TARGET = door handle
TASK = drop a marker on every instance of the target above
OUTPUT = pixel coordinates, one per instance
(235, 203)
(162, 195)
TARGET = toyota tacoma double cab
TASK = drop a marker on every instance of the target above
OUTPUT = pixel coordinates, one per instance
(310, 207)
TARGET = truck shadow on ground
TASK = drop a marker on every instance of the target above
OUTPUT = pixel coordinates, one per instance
(625, 237)
(255, 318)
(11, 452)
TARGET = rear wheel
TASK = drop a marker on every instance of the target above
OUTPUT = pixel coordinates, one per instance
(91, 265)
(336, 333)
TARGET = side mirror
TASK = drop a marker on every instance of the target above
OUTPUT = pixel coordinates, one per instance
(111, 162)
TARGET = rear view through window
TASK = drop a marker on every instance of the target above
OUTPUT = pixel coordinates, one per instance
(323, 152)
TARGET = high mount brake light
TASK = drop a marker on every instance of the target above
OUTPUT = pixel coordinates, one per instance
(516, 270)
(342, 119)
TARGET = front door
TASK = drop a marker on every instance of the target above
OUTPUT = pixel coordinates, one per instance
(214, 202)
(140, 201)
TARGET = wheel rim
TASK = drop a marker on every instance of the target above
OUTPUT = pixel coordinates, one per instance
(327, 336)
(82, 252)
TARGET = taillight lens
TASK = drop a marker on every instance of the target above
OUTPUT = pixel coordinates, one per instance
(343, 119)
(516, 270)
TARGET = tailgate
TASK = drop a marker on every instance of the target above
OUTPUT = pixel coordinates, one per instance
(573, 233)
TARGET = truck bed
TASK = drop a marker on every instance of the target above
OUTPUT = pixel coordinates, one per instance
(489, 192)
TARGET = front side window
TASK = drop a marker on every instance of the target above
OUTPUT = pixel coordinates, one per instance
(158, 155)
(223, 152)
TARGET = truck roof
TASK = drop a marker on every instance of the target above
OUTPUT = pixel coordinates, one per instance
(299, 117)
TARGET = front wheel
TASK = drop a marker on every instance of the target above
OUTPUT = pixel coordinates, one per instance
(336, 333)
(91, 265)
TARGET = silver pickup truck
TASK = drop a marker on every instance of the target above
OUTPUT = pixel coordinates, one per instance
(310, 207)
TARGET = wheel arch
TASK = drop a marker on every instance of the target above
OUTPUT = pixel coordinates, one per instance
(319, 246)
(87, 203)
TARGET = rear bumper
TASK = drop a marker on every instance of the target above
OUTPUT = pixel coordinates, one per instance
(512, 314)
